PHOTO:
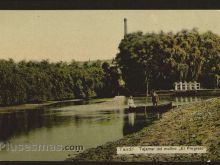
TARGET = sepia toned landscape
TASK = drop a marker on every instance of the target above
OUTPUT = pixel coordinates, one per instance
(75, 85)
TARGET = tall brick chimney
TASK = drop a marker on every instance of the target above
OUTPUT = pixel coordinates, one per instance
(125, 27)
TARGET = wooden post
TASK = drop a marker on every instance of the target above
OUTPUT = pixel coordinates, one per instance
(145, 109)
(147, 88)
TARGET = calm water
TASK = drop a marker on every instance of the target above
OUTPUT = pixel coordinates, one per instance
(88, 125)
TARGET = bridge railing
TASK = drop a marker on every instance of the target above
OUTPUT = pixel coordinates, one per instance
(183, 86)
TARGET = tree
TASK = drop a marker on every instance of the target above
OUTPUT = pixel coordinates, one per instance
(161, 59)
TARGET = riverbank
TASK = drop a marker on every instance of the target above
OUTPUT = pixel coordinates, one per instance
(27, 106)
(196, 124)
(49, 103)
(199, 92)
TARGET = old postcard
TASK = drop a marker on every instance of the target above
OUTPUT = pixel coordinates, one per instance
(110, 85)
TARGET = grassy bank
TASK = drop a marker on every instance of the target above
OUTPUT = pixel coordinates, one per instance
(193, 124)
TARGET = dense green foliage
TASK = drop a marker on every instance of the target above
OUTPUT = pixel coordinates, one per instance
(161, 59)
(41, 81)
(158, 60)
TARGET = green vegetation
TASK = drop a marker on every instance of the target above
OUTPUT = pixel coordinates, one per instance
(154, 60)
(34, 82)
(194, 124)
(161, 59)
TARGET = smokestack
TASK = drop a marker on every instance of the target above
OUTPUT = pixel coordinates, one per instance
(125, 27)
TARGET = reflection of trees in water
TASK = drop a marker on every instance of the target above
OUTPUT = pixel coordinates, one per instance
(134, 122)
(21, 122)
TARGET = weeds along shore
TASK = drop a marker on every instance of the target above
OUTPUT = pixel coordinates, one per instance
(196, 124)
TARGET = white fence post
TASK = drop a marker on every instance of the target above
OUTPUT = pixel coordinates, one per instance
(181, 86)
(176, 86)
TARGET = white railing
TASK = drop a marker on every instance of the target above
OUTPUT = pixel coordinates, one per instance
(183, 86)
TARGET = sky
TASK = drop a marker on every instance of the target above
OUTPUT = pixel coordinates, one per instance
(66, 35)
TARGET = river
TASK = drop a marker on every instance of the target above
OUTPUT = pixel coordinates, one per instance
(87, 125)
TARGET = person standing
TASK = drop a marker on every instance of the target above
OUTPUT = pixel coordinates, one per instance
(155, 98)
(131, 102)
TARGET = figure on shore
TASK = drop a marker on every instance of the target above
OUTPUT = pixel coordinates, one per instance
(131, 102)
(155, 98)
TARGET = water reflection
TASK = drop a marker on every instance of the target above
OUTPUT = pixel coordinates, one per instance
(134, 122)
(185, 100)
(22, 122)
(180, 100)
(131, 118)
(88, 124)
